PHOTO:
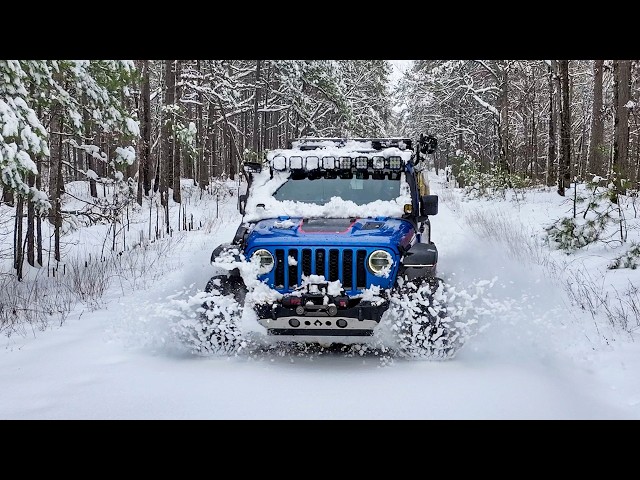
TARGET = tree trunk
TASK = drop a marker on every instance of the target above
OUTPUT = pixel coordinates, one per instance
(55, 177)
(18, 252)
(582, 156)
(265, 116)
(551, 153)
(256, 103)
(210, 139)
(621, 95)
(535, 169)
(39, 218)
(76, 173)
(564, 164)
(7, 196)
(597, 157)
(144, 113)
(177, 170)
(167, 135)
(504, 124)
(30, 225)
(203, 171)
(88, 158)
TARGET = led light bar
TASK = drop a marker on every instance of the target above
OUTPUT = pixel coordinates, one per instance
(280, 162)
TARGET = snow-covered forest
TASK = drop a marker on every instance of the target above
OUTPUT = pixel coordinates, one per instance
(88, 143)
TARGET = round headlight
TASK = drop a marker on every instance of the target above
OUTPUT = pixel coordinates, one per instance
(265, 260)
(380, 262)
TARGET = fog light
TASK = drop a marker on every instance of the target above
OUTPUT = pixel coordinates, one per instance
(342, 323)
(294, 322)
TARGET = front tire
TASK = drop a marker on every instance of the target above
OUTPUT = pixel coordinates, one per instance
(419, 320)
(216, 330)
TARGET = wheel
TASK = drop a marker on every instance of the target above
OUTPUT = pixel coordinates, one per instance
(227, 285)
(216, 330)
(419, 320)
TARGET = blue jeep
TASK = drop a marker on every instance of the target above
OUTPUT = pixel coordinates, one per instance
(335, 234)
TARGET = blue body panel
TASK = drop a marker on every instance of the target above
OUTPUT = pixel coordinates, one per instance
(335, 248)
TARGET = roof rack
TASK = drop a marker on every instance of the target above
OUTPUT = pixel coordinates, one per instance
(377, 143)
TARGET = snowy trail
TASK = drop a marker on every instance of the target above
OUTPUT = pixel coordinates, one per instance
(118, 363)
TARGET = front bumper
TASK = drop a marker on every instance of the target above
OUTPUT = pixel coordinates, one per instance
(358, 320)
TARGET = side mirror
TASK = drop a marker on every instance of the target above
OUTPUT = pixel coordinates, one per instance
(429, 205)
(428, 144)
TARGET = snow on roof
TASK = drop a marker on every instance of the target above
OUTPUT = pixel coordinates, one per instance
(328, 148)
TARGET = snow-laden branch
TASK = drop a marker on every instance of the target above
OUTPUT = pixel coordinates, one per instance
(488, 69)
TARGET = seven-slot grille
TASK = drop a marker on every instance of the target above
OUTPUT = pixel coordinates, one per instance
(346, 265)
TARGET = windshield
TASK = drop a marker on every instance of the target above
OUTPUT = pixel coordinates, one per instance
(320, 190)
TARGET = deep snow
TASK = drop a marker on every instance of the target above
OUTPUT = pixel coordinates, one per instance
(533, 355)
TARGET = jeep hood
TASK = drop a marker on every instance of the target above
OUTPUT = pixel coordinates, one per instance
(362, 232)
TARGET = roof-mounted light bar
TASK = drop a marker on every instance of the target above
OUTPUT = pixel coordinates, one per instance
(310, 163)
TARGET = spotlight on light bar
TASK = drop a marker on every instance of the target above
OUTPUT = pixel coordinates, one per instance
(295, 163)
(361, 163)
(345, 163)
(378, 163)
(279, 162)
(328, 163)
(313, 163)
(395, 163)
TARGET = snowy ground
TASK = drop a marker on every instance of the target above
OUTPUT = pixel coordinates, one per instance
(534, 355)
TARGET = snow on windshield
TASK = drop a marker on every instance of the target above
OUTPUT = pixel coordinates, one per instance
(264, 187)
